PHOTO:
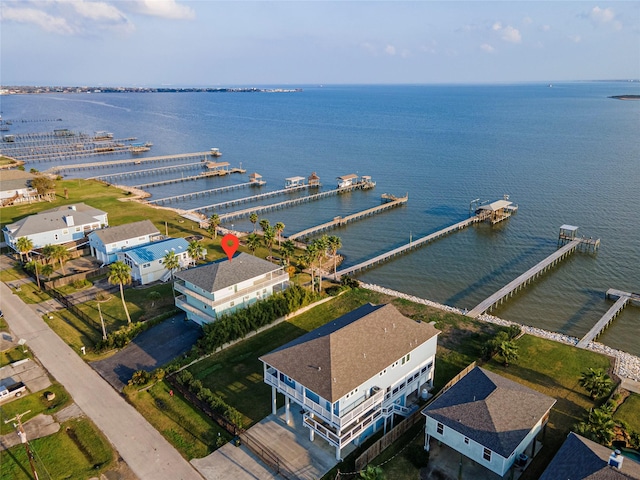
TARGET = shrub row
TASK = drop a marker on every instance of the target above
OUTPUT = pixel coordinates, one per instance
(217, 404)
(239, 323)
(121, 337)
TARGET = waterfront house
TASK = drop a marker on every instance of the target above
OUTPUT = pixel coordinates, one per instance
(107, 242)
(147, 261)
(207, 291)
(354, 374)
(492, 420)
(15, 187)
(580, 459)
(57, 226)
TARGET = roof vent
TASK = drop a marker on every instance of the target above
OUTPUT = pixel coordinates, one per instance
(72, 207)
(615, 460)
(68, 219)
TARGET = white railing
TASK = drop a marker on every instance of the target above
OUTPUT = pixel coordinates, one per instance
(182, 303)
(356, 411)
(181, 287)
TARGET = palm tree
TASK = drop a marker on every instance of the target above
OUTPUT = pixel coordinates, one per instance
(24, 246)
(253, 218)
(321, 245)
(309, 259)
(195, 250)
(508, 351)
(279, 227)
(56, 253)
(334, 243)
(597, 426)
(120, 274)
(269, 236)
(171, 262)
(287, 249)
(214, 221)
(596, 382)
(34, 265)
(264, 224)
(47, 271)
(253, 242)
(372, 473)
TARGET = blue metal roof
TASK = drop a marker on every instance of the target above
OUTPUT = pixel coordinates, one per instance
(157, 250)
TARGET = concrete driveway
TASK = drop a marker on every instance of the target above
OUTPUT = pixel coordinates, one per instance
(26, 371)
(150, 350)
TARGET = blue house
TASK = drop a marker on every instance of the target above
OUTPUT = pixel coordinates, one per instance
(146, 261)
(107, 242)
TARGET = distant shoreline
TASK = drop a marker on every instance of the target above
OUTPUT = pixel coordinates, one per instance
(25, 90)
(626, 97)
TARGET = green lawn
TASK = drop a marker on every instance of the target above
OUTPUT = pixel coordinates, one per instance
(553, 369)
(37, 403)
(629, 412)
(77, 450)
(193, 434)
(14, 354)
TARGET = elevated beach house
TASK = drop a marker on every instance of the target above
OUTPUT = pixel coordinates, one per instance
(490, 419)
(352, 375)
(207, 291)
(147, 261)
(57, 226)
(107, 242)
(581, 459)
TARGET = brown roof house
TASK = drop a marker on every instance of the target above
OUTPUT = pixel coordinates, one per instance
(492, 420)
(582, 459)
(353, 374)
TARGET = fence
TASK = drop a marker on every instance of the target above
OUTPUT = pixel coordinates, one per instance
(267, 456)
(66, 280)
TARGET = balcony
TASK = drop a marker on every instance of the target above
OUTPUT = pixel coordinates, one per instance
(238, 295)
(182, 304)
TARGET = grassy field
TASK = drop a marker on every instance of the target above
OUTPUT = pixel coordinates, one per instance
(14, 354)
(629, 412)
(553, 369)
(193, 434)
(37, 403)
(77, 450)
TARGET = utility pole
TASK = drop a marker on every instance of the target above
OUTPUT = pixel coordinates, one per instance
(104, 330)
(23, 438)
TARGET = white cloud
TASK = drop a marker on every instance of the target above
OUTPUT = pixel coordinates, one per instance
(368, 47)
(601, 15)
(575, 38)
(95, 10)
(46, 22)
(527, 20)
(496, 27)
(511, 35)
(545, 28)
(390, 50)
(164, 8)
(485, 47)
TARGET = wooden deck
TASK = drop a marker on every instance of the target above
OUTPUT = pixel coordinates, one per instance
(623, 298)
(409, 246)
(253, 198)
(340, 221)
(146, 171)
(524, 279)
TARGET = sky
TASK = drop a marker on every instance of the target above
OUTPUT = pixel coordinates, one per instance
(258, 43)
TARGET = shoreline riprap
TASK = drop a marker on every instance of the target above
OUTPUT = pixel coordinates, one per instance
(626, 364)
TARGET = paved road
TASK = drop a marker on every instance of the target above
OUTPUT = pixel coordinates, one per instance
(148, 454)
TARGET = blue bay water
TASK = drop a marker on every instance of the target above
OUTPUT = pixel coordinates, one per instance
(567, 154)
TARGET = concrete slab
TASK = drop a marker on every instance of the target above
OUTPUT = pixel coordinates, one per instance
(26, 371)
(67, 413)
(39, 426)
(305, 459)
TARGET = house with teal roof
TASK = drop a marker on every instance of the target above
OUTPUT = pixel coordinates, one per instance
(146, 261)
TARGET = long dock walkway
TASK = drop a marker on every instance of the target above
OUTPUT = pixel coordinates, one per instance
(147, 171)
(228, 217)
(525, 278)
(186, 196)
(409, 246)
(204, 156)
(623, 299)
(253, 198)
(340, 221)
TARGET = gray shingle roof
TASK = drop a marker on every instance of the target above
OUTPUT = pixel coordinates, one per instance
(14, 180)
(582, 459)
(53, 219)
(339, 356)
(125, 232)
(224, 273)
(491, 410)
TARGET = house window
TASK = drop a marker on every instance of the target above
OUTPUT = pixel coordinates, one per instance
(440, 428)
(77, 229)
(406, 358)
(55, 236)
(232, 304)
(486, 454)
(466, 440)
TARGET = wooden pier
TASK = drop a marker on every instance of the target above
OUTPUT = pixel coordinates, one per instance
(413, 244)
(201, 193)
(623, 298)
(147, 171)
(203, 156)
(524, 279)
(253, 198)
(340, 221)
(228, 217)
